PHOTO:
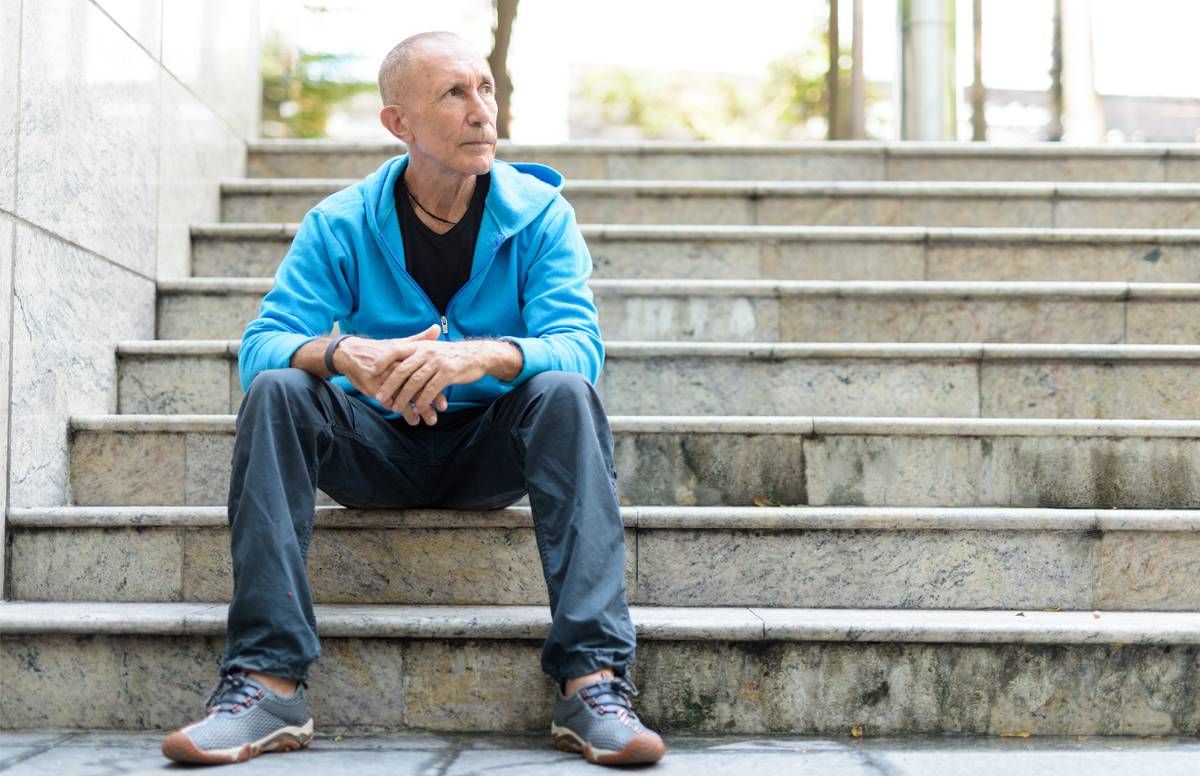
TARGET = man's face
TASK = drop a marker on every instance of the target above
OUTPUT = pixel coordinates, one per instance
(450, 110)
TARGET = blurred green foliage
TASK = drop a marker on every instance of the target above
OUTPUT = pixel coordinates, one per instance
(729, 108)
(300, 89)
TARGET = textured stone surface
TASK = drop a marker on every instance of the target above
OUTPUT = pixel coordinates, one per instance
(1050, 471)
(909, 210)
(867, 569)
(965, 319)
(799, 386)
(596, 207)
(688, 318)
(213, 257)
(197, 150)
(909, 166)
(7, 230)
(190, 385)
(1127, 212)
(63, 360)
(1136, 571)
(1164, 322)
(410, 566)
(132, 564)
(209, 463)
(110, 469)
(687, 686)
(1141, 262)
(699, 469)
(1089, 389)
(205, 316)
(88, 156)
(210, 46)
(10, 114)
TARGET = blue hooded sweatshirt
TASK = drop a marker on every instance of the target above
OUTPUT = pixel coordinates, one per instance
(528, 283)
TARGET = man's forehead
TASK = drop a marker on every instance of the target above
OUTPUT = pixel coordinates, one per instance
(441, 62)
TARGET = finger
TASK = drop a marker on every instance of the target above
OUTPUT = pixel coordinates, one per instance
(413, 385)
(392, 383)
(397, 353)
(430, 393)
(431, 333)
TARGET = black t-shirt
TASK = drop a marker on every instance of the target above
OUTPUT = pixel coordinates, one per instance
(440, 263)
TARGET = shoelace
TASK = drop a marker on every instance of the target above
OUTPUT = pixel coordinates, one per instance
(232, 692)
(613, 696)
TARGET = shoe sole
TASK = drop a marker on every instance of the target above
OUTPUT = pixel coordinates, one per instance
(178, 747)
(643, 748)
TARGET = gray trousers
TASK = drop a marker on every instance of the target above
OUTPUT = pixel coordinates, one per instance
(549, 436)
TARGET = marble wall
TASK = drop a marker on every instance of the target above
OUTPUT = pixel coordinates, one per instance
(118, 120)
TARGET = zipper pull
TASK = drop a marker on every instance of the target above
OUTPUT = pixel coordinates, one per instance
(445, 325)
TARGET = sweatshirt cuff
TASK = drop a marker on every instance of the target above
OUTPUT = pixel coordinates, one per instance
(273, 353)
(536, 355)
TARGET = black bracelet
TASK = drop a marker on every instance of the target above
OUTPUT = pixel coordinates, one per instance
(329, 354)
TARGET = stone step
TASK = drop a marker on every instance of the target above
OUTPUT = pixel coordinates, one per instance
(770, 161)
(872, 379)
(677, 556)
(1059, 205)
(169, 460)
(806, 253)
(798, 311)
(736, 670)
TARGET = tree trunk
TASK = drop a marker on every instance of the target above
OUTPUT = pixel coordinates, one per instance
(1054, 130)
(978, 93)
(831, 84)
(506, 14)
(858, 91)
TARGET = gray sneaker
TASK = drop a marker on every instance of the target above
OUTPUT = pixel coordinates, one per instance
(598, 722)
(244, 720)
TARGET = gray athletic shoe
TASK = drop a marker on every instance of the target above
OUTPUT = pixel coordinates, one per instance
(244, 720)
(598, 722)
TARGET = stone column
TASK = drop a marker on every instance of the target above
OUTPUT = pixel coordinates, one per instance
(927, 91)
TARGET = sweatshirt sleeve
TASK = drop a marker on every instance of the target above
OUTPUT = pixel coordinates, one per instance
(311, 292)
(561, 324)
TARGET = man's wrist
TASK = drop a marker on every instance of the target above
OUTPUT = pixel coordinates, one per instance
(338, 359)
(503, 360)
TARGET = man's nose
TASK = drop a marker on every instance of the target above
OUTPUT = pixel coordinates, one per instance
(479, 112)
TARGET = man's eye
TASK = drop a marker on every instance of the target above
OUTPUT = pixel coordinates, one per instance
(455, 90)
(486, 88)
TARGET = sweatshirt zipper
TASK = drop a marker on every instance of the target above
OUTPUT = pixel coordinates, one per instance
(445, 325)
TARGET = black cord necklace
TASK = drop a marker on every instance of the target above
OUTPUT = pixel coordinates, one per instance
(431, 215)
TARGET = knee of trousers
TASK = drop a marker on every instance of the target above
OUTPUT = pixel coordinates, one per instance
(282, 390)
(569, 389)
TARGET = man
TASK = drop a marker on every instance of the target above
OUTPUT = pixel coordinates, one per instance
(463, 378)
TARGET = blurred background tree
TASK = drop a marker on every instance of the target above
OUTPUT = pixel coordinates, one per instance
(301, 88)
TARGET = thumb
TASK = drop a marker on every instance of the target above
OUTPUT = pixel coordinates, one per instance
(429, 334)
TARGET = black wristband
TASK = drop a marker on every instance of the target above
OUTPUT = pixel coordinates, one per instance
(329, 354)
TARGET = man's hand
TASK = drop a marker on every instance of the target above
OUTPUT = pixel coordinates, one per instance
(413, 386)
(366, 363)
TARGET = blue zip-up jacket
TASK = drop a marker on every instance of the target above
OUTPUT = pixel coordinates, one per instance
(528, 283)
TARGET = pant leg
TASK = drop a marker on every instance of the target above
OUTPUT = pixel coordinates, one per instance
(550, 435)
(295, 433)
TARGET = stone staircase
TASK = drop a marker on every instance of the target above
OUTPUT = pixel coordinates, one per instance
(913, 451)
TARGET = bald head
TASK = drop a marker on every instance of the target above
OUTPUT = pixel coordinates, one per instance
(397, 70)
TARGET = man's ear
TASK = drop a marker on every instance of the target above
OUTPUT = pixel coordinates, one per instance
(394, 120)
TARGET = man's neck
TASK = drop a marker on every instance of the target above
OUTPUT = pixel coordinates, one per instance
(444, 192)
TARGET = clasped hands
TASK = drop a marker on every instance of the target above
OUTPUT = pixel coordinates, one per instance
(408, 375)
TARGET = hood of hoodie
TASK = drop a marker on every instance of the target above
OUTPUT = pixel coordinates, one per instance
(518, 194)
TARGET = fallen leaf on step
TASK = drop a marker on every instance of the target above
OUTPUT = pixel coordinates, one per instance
(1020, 614)
(1022, 734)
(763, 501)
(1053, 609)
(1096, 615)
(856, 731)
